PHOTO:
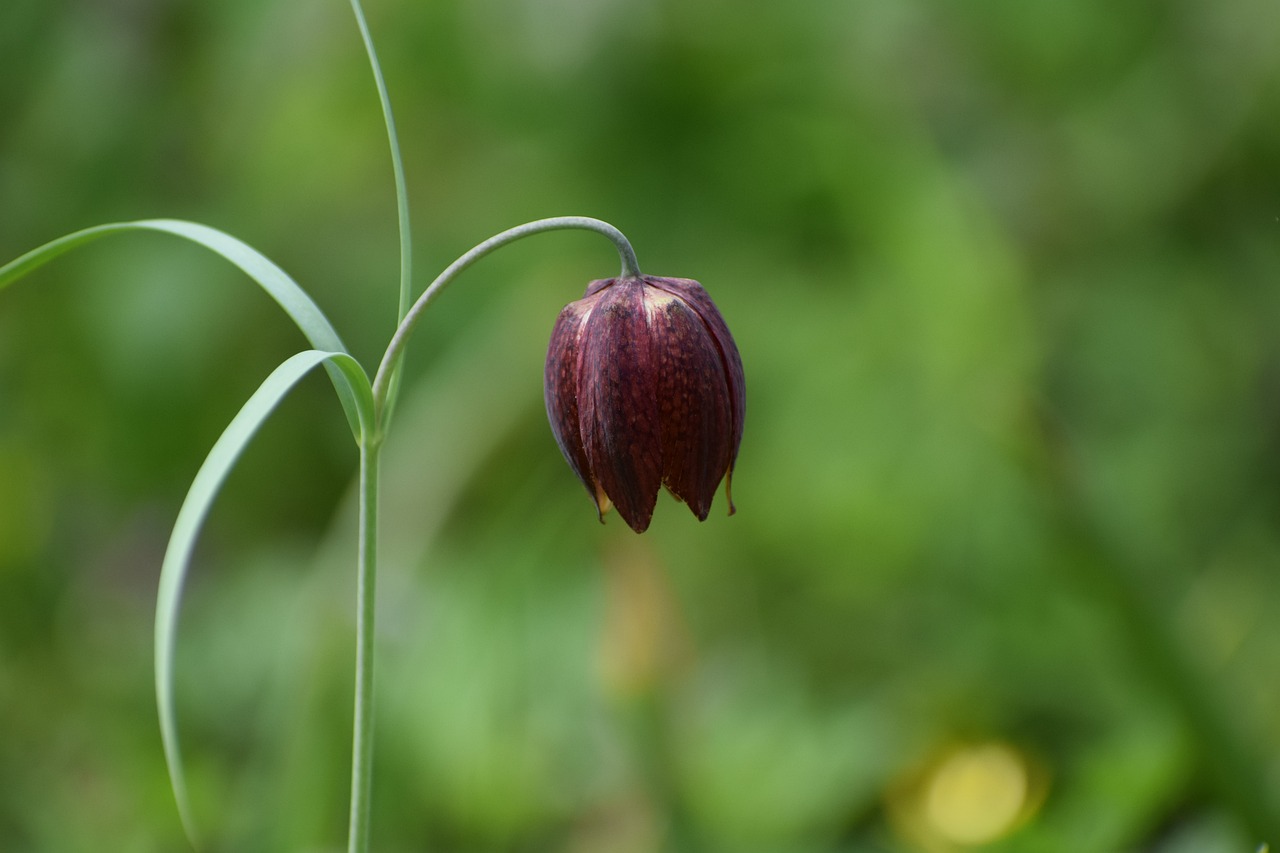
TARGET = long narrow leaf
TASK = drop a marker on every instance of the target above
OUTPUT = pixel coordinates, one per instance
(397, 162)
(402, 197)
(276, 282)
(195, 508)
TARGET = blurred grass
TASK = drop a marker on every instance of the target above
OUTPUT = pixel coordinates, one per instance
(1003, 277)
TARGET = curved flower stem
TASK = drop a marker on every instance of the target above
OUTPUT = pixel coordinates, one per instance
(382, 381)
(370, 451)
(366, 587)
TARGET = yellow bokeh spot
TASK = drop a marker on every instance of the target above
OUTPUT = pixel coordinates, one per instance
(976, 794)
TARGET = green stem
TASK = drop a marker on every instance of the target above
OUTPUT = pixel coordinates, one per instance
(395, 350)
(370, 453)
(366, 600)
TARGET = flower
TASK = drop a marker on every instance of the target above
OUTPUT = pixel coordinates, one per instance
(644, 387)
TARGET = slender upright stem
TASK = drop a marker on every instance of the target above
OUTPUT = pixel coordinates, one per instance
(370, 447)
(630, 269)
(366, 597)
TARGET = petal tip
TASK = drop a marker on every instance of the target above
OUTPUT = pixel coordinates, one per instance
(640, 526)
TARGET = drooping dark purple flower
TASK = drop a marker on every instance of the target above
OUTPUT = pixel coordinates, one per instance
(644, 388)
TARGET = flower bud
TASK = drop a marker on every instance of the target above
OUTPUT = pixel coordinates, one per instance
(644, 387)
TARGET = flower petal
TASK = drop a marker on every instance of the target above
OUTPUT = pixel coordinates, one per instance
(617, 402)
(696, 296)
(693, 401)
(560, 389)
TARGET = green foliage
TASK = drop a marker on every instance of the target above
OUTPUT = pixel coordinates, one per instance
(1003, 278)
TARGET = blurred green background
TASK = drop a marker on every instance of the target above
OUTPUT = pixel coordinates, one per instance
(1004, 275)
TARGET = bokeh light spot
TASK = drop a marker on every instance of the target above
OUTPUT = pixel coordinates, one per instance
(976, 794)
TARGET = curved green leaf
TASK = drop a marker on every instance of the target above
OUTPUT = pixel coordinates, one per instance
(402, 195)
(195, 508)
(276, 282)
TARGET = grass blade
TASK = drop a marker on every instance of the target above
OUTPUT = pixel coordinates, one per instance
(397, 162)
(276, 282)
(402, 195)
(195, 508)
